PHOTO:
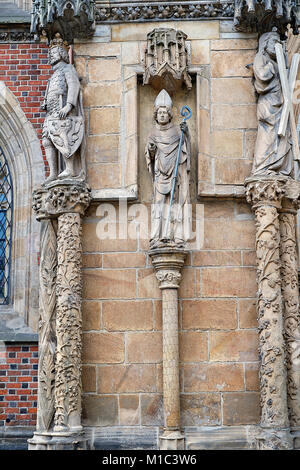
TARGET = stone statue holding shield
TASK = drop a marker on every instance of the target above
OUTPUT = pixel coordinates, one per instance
(168, 158)
(63, 128)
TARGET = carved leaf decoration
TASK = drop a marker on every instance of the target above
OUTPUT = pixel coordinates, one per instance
(47, 375)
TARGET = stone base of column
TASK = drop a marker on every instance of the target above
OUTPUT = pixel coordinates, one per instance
(171, 440)
(274, 439)
(295, 433)
(58, 441)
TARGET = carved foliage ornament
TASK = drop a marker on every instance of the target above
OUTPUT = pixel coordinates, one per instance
(262, 15)
(60, 199)
(160, 11)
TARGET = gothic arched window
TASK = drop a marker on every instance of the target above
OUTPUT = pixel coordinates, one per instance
(5, 228)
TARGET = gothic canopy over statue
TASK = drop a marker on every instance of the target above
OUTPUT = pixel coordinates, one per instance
(262, 15)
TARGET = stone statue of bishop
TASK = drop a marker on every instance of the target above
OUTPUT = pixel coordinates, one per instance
(161, 153)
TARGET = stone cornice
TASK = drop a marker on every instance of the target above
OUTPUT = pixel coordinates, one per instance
(162, 11)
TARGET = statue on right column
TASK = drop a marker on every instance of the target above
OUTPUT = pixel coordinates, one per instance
(273, 152)
(168, 158)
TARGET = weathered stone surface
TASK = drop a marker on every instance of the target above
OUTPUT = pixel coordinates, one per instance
(231, 63)
(127, 315)
(238, 44)
(241, 408)
(209, 314)
(193, 346)
(229, 171)
(247, 313)
(109, 284)
(92, 260)
(103, 148)
(233, 91)
(144, 347)
(93, 239)
(98, 49)
(130, 378)
(225, 116)
(104, 69)
(240, 346)
(228, 282)
(200, 52)
(252, 376)
(217, 258)
(104, 120)
(102, 94)
(202, 30)
(147, 284)
(227, 143)
(88, 379)
(100, 410)
(104, 175)
(129, 410)
(203, 409)
(229, 234)
(103, 348)
(152, 413)
(91, 314)
(207, 377)
(124, 260)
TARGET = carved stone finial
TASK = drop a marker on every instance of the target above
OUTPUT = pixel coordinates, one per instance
(166, 58)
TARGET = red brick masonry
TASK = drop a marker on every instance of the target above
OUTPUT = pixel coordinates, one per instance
(18, 384)
(24, 69)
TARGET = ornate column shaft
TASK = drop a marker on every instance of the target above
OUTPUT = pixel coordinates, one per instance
(265, 196)
(290, 292)
(168, 264)
(68, 324)
(47, 334)
(64, 203)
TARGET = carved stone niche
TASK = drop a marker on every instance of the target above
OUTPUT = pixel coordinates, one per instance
(166, 59)
(262, 15)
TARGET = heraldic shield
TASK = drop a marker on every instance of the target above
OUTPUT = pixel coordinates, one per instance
(66, 134)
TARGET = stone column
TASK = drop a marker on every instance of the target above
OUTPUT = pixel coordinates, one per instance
(47, 334)
(61, 203)
(168, 263)
(290, 292)
(265, 196)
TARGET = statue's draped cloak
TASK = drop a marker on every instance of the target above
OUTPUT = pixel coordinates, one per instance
(273, 153)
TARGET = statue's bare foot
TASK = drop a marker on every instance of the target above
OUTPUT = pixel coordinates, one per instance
(50, 178)
(66, 174)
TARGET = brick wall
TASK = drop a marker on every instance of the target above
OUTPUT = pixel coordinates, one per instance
(18, 384)
(24, 69)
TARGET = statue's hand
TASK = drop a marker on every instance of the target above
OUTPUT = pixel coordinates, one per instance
(152, 148)
(65, 111)
(44, 105)
(184, 127)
